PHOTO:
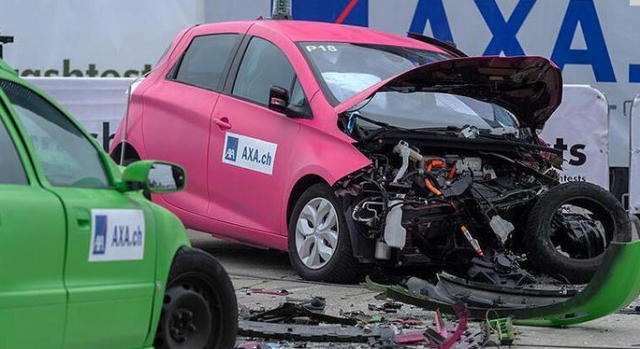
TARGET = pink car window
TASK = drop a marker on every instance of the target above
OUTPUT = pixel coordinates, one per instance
(204, 61)
(262, 67)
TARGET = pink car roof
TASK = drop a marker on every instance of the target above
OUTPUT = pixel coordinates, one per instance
(301, 31)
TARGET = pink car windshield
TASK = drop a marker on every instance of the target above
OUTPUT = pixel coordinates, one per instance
(346, 69)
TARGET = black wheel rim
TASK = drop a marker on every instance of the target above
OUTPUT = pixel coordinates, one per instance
(583, 235)
(191, 314)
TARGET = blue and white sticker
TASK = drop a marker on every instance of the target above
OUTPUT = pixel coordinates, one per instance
(249, 153)
(116, 235)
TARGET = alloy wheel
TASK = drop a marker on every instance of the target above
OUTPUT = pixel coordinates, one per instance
(317, 233)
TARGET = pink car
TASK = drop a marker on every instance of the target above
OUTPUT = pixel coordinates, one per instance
(348, 146)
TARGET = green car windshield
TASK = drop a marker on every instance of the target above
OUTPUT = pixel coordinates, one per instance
(346, 69)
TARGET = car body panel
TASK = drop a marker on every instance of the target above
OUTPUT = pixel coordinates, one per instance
(193, 105)
(302, 31)
(213, 207)
(33, 294)
(159, 131)
(233, 202)
(259, 194)
(122, 287)
(529, 87)
(76, 303)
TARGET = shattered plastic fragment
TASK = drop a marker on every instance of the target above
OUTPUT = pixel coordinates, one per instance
(615, 285)
(273, 293)
(410, 337)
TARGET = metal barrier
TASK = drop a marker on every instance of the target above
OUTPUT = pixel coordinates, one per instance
(634, 158)
(635, 227)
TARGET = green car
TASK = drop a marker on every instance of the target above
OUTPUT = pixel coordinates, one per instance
(85, 260)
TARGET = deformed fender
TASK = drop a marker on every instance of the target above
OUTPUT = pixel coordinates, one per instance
(171, 237)
(615, 286)
(328, 156)
(338, 156)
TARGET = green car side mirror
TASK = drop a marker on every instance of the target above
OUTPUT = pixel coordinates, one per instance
(154, 177)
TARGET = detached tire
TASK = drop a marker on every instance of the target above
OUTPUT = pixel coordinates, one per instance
(319, 243)
(200, 308)
(540, 230)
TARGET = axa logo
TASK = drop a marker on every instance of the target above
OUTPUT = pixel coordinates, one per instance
(231, 151)
(253, 155)
(100, 235)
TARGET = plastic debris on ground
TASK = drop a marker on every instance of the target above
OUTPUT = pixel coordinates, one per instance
(478, 313)
(293, 325)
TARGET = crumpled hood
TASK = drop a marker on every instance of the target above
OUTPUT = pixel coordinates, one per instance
(529, 87)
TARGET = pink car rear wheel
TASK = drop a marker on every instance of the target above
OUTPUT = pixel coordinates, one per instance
(319, 244)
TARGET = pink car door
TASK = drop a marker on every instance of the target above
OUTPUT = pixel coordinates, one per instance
(177, 116)
(252, 146)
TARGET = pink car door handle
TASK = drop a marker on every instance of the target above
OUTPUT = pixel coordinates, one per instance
(223, 123)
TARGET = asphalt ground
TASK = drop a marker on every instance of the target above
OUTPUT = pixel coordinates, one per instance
(251, 268)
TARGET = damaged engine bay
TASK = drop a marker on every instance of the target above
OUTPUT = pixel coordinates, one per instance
(461, 201)
(468, 221)
(460, 182)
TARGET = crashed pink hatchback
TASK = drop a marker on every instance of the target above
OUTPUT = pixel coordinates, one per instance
(348, 146)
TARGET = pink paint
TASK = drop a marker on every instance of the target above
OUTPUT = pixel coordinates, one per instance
(187, 125)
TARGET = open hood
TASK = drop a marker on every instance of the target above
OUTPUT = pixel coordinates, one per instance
(529, 87)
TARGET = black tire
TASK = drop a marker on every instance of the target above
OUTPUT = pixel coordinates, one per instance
(200, 309)
(538, 235)
(342, 267)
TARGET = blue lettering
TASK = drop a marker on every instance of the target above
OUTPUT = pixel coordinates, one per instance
(117, 230)
(432, 11)
(596, 55)
(634, 73)
(504, 31)
(126, 241)
(245, 154)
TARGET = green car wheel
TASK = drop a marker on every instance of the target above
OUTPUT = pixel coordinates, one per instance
(199, 309)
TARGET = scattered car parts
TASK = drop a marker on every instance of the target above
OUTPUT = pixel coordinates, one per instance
(612, 288)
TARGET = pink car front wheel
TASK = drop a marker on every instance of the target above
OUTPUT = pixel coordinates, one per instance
(319, 244)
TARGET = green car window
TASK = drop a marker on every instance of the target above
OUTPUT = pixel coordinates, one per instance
(67, 156)
(12, 171)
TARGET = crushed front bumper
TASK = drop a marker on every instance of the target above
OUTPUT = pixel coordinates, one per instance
(615, 285)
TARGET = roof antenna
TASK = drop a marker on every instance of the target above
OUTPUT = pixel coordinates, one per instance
(4, 39)
(281, 9)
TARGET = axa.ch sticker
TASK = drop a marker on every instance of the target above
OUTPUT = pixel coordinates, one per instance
(117, 235)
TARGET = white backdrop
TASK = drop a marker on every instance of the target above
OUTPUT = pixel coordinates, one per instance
(597, 39)
(95, 38)
(581, 125)
(99, 104)
(634, 170)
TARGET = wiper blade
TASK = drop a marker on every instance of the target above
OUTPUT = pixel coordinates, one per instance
(483, 133)
(438, 129)
(355, 115)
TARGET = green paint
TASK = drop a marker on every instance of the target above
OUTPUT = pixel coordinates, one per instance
(504, 330)
(51, 296)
